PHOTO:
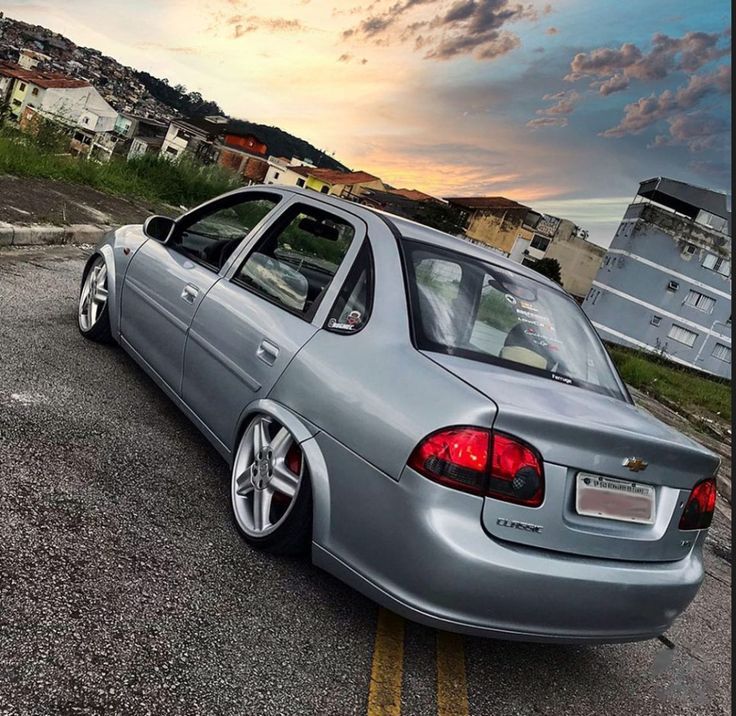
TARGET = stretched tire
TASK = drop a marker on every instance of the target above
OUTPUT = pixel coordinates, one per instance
(93, 317)
(270, 489)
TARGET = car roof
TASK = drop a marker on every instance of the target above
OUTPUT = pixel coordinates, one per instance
(412, 230)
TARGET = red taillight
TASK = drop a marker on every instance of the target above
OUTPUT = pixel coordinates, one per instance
(698, 512)
(459, 458)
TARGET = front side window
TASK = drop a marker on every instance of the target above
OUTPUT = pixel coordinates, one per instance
(210, 238)
(464, 306)
(294, 263)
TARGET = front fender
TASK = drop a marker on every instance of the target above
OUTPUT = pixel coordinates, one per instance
(117, 247)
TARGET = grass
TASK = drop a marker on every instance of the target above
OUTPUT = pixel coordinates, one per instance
(691, 392)
(148, 177)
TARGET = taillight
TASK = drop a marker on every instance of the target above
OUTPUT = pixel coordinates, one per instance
(457, 457)
(483, 463)
(698, 512)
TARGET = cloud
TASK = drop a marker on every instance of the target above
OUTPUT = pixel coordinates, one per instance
(547, 122)
(647, 111)
(347, 57)
(612, 69)
(466, 27)
(614, 84)
(254, 23)
(696, 130)
(564, 102)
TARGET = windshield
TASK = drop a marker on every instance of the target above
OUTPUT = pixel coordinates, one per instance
(466, 307)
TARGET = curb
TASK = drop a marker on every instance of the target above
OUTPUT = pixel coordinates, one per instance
(47, 234)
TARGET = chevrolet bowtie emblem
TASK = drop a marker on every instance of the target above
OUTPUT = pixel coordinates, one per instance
(635, 464)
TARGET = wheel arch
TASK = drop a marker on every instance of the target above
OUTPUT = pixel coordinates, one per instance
(304, 432)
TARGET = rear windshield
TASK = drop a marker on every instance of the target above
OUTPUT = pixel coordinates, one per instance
(466, 307)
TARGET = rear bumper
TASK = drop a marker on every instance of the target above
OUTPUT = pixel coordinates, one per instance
(424, 555)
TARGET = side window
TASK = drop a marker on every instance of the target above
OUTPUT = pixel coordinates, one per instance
(210, 238)
(353, 305)
(295, 261)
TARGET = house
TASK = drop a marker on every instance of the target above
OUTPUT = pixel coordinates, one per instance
(144, 145)
(348, 185)
(30, 59)
(665, 282)
(244, 154)
(526, 236)
(280, 171)
(55, 96)
(205, 139)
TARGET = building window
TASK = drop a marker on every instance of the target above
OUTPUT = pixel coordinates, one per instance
(682, 335)
(16, 103)
(655, 320)
(715, 222)
(300, 182)
(717, 264)
(673, 286)
(35, 91)
(22, 86)
(539, 242)
(325, 189)
(722, 352)
(276, 175)
(700, 301)
(171, 150)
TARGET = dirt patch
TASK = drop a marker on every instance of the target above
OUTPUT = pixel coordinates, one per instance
(26, 200)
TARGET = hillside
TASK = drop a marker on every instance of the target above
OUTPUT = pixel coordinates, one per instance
(138, 92)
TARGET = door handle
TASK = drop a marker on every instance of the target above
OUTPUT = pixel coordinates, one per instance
(190, 293)
(267, 352)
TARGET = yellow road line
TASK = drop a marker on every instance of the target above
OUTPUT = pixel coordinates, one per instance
(384, 697)
(452, 690)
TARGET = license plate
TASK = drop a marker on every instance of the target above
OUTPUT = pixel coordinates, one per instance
(612, 499)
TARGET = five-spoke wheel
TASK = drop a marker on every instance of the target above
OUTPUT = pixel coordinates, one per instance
(92, 311)
(270, 487)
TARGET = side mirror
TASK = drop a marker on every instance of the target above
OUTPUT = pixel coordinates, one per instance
(158, 228)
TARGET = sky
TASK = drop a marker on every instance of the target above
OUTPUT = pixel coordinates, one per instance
(563, 105)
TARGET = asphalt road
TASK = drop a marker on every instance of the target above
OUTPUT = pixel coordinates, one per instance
(124, 587)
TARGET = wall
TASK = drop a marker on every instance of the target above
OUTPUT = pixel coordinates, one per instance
(174, 144)
(498, 228)
(248, 143)
(278, 174)
(579, 263)
(632, 290)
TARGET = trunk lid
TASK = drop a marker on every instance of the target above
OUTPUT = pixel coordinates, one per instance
(578, 430)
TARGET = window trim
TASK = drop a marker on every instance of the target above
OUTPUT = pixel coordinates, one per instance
(277, 225)
(211, 207)
(356, 268)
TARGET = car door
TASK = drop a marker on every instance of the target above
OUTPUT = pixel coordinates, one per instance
(166, 282)
(253, 322)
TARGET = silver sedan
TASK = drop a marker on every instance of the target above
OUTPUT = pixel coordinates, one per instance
(441, 428)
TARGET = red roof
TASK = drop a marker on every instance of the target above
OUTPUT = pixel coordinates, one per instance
(485, 202)
(332, 176)
(41, 78)
(413, 194)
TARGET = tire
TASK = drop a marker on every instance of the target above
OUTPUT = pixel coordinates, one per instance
(271, 501)
(93, 316)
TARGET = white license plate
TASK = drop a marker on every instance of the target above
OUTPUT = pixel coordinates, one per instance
(612, 499)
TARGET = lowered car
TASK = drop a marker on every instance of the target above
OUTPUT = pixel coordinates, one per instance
(440, 426)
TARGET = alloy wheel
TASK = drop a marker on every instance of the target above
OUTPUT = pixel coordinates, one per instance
(93, 298)
(266, 477)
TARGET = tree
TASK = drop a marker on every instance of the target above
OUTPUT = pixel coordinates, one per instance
(550, 268)
(439, 216)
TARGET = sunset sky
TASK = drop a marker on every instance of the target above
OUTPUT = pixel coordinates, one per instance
(564, 105)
